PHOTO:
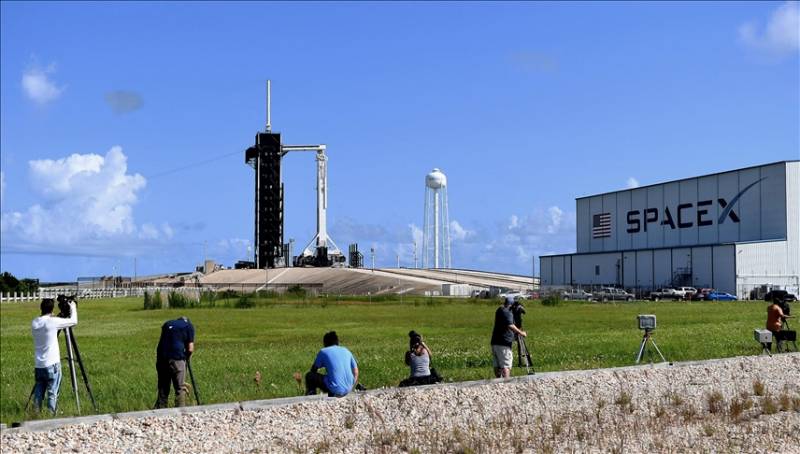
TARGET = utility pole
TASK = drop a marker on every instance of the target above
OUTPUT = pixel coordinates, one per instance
(372, 253)
(398, 261)
(134, 269)
(533, 273)
(415, 255)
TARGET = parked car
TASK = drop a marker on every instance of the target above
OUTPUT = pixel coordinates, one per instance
(665, 294)
(686, 292)
(701, 294)
(515, 295)
(613, 294)
(720, 296)
(576, 294)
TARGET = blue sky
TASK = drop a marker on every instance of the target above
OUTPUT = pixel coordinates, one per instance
(110, 114)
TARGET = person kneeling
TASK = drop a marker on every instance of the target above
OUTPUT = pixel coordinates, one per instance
(340, 367)
(418, 358)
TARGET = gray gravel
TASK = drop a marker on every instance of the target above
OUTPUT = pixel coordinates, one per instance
(709, 407)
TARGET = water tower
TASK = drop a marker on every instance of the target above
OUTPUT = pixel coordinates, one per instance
(436, 228)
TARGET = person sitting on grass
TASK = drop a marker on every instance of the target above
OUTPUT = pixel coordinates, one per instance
(341, 369)
(418, 358)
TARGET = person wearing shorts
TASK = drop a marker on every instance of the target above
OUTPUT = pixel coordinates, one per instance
(503, 339)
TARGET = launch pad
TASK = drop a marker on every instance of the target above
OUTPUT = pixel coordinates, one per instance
(270, 251)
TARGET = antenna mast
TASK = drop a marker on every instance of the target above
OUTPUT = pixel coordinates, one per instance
(269, 106)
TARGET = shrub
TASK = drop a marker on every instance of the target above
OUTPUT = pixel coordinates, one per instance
(736, 408)
(178, 300)
(152, 301)
(296, 291)
(244, 302)
(758, 387)
(553, 299)
(715, 402)
(768, 406)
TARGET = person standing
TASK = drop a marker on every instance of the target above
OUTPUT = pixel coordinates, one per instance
(341, 369)
(175, 347)
(775, 318)
(47, 356)
(503, 339)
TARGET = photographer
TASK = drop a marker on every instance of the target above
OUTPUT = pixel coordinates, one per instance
(776, 316)
(418, 358)
(175, 347)
(47, 356)
(341, 370)
(503, 339)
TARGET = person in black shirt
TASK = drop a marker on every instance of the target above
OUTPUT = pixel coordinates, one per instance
(175, 347)
(503, 339)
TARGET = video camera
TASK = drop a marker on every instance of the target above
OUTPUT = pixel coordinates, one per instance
(64, 311)
(781, 298)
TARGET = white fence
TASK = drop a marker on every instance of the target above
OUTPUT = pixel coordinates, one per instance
(83, 294)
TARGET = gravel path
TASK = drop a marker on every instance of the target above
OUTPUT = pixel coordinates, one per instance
(747, 404)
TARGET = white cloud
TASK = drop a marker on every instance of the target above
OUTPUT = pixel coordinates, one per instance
(632, 183)
(781, 34)
(555, 219)
(459, 233)
(416, 234)
(37, 84)
(86, 202)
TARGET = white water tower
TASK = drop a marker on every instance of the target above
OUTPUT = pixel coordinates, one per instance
(436, 225)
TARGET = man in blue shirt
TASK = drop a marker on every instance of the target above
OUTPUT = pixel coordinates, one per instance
(175, 347)
(340, 367)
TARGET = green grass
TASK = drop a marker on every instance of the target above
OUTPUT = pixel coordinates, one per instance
(117, 339)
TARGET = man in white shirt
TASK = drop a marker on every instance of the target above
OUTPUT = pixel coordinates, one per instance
(47, 356)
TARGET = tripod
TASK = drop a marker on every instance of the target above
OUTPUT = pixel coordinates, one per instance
(73, 353)
(648, 336)
(781, 341)
(524, 354)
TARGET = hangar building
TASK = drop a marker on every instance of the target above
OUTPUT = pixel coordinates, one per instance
(733, 231)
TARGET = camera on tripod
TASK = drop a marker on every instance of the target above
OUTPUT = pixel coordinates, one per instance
(64, 311)
(646, 322)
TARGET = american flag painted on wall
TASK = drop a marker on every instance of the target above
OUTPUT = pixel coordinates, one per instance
(601, 225)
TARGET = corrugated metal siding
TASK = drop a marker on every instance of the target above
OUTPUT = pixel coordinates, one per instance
(761, 210)
(793, 216)
(545, 271)
(707, 190)
(725, 269)
(629, 269)
(662, 268)
(639, 202)
(644, 269)
(623, 206)
(773, 220)
(688, 191)
(558, 270)
(583, 229)
(702, 267)
(749, 205)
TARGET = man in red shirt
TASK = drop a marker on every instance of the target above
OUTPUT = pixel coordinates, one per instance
(775, 317)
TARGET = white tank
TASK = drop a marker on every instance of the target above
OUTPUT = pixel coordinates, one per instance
(436, 179)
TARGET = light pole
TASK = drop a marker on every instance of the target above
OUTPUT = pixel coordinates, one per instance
(372, 253)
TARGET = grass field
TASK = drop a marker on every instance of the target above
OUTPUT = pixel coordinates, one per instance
(117, 339)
